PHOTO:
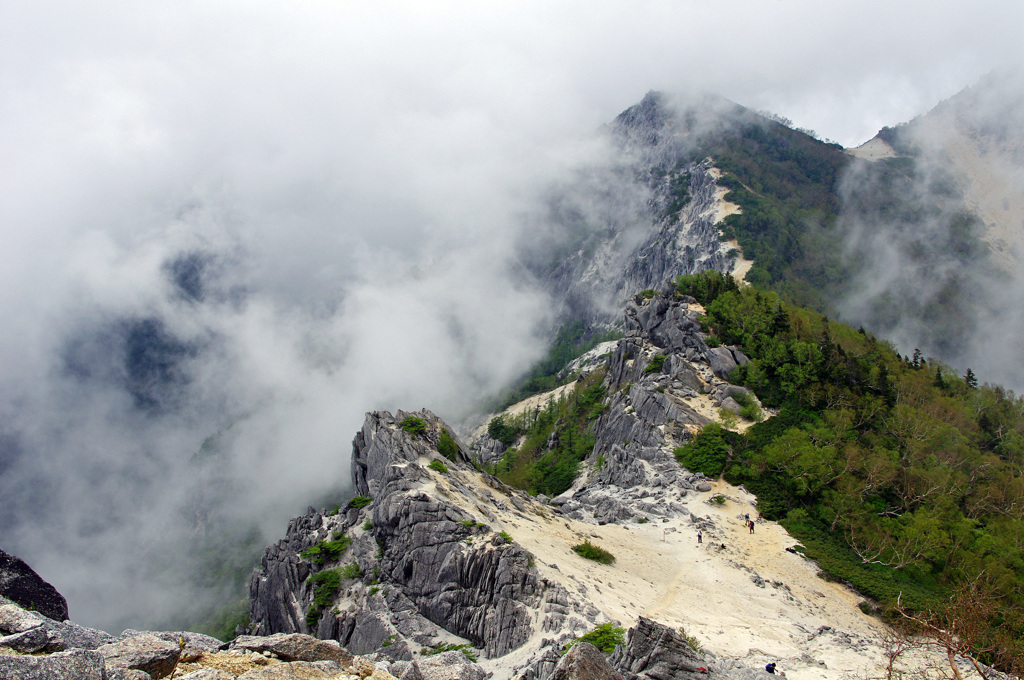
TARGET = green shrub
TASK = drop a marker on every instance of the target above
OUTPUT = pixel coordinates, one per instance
(446, 446)
(325, 587)
(691, 642)
(503, 430)
(413, 425)
(707, 452)
(657, 361)
(438, 466)
(605, 637)
(506, 536)
(367, 525)
(648, 293)
(327, 551)
(752, 412)
(351, 571)
(360, 502)
(592, 552)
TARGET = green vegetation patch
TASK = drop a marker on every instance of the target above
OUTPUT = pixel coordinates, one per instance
(605, 637)
(351, 571)
(708, 451)
(360, 502)
(897, 475)
(327, 551)
(414, 426)
(657, 361)
(557, 439)
(438, 466)
(592, 552)
(446, 445)
(325, 587)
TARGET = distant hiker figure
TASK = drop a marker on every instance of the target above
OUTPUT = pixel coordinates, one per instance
(751, 525)
(770, 668)
(746, 517)
(700, 536)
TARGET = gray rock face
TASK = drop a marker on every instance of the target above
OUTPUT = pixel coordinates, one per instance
(435, 568)
(450, 666)
(79, 664)
(28, 631)
(146, 653)
(657, 652)
(294, 647)
(584, 661)
(20, 584)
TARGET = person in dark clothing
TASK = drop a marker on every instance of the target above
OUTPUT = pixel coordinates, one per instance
(770, 668)
(751, 525)
(700, 536)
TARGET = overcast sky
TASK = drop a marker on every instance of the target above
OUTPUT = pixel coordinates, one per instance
(351, 177)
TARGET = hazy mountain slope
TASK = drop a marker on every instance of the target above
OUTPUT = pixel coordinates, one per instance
(938, 228)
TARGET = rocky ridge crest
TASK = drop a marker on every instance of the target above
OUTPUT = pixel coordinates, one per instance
(431, 562)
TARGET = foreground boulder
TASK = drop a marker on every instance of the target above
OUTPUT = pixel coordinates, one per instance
(147, 653)
(584, 661)
(20, 584)
(77, 664)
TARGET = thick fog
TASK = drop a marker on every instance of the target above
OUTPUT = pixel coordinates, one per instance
(247, 223)
(941, 240)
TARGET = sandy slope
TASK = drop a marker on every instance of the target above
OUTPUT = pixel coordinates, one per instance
(663, 573)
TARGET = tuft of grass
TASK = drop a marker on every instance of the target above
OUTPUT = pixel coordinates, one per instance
(367, 525)
(360, 502)
(691, 642)
(592, 552)
(506, 536)
(438, 466)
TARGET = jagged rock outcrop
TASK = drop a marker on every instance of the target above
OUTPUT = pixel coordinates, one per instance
(584, 661)
(20, 584)
(147, 653)
(655, 221)
(656, 652)
(429, 567)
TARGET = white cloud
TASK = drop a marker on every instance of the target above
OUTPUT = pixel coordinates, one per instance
(355, 174)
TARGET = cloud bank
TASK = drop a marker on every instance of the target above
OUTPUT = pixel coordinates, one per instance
(246, 224)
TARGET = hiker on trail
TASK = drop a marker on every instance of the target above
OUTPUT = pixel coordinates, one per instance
(700, 536)
(751, 525)
(746, 517)
(770, 668)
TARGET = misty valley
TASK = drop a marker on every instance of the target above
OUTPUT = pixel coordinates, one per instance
(714, 396)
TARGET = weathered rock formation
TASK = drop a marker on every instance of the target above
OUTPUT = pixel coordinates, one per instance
(20, 584)
(653, 219)
(413, 565)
